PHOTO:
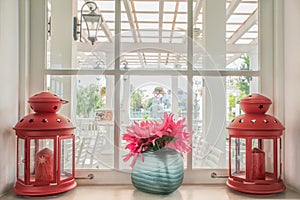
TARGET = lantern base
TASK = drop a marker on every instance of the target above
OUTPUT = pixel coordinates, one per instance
(43, 190)
(254, 188)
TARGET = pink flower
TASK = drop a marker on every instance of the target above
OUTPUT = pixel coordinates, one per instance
(151, 135)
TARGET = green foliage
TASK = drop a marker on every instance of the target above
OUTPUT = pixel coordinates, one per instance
(232, 102)
(159, 143)
(88, 100)
(138, 100)
(242, 84)
(244, 81)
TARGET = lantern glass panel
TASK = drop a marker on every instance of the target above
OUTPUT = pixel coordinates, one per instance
(238, 157)
(66, 163)
(21, 158)
(42, 161)
(268, 147)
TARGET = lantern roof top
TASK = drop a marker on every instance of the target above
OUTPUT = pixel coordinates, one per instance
(255, 98)
(45, 104)
(44, 122)
(255, 119)
(44, 97)
(256, 122)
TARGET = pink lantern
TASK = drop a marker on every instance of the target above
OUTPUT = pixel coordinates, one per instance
(255, 149)
(46, 149)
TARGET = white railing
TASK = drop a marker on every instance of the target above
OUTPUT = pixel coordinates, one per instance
(95, 144)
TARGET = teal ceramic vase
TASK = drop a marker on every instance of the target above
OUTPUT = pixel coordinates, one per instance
(161, 172)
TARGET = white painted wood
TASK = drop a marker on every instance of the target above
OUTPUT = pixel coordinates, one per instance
(9, 81)
(291, 92)
(24, 56)
(232, 6)
(266, 46)
(217, 48)
(38, 38)
(214, 115)
(244, 28)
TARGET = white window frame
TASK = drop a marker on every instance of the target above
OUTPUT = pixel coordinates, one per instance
(33, 33)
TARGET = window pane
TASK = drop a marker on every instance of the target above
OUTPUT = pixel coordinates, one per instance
(226, 40)
(237, 88)
(157, 39)
(210, 135)
(64, 52)
(147, 98)
(90, 107)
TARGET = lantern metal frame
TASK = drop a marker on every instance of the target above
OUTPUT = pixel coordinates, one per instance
(91, 17)
(41, 151)
(261, 134)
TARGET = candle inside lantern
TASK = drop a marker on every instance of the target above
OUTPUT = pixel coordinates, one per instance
(258, 159)
(44, 166)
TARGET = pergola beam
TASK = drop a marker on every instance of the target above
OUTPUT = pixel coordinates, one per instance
(106, 31)
(244, 27)
(159, 48)
(232, 6)
(197, 10)
(130, 19)
(134, 30)
(160, 20)
(173, 27)
(241, 49)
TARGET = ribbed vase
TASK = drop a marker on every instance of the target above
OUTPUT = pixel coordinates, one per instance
(160, 173)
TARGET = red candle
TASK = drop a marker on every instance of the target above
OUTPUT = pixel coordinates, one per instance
(44, 166)
(258, 167)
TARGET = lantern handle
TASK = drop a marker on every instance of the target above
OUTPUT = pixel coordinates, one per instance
(64, 101)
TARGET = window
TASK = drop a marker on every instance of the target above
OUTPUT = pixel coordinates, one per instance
(151, 57)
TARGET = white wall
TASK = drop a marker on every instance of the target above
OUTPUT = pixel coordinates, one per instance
(292, 94)
(9, 91)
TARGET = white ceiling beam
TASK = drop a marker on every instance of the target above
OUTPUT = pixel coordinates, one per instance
(160, 20)
(106, 31)
(231, 8)
(159, 48)
(196, 13)
(233, 58)
(159, 60)
(173, 28)
(130, 16)
(252, 19)
(130, 19)
(197, 10)
(240, 49)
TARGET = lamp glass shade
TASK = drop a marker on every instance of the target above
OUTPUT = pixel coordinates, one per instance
(92, 21)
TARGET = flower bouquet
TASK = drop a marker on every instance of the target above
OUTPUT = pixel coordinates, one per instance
(156, 150)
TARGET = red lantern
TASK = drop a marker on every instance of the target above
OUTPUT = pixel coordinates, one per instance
(255, 149)
(46, 149)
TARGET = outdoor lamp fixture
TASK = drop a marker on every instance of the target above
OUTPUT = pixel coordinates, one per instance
(92, 20)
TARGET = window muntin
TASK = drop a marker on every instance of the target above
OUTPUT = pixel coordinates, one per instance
(151, 32)
(92, 105)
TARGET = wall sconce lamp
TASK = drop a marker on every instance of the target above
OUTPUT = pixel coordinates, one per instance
(125, 64)
(92, 20)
